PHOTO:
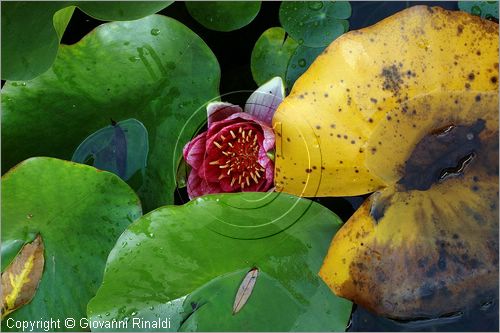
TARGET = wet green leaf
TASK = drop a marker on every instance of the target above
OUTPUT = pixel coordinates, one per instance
(61, 20)
(187, 263)
(79, 212)
(154, 70)
(300, 61)
(121, 10)
(271, 54)
(484, 9)
(31, 30)
(315, 23)
(121, 148)
(223, 15)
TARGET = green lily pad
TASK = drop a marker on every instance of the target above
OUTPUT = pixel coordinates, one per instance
(154, 70)
(121, 10)
(185, 264)
(315, 23)
(223, 15)
(300, 61)
(484, 9)
(271, 54)
(31, 30)
(79, 212)
(61, 19)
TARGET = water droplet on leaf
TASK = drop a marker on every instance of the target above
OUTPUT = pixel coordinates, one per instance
(155, 32)
(475, 10)
(302, 62)
(315, 5)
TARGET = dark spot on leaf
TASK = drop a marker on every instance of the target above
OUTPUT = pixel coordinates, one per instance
(441, 154)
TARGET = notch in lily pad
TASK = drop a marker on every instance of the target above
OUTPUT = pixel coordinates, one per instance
(271, 54)
(121, 148)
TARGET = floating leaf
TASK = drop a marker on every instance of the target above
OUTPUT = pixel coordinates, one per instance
(223, 15)
(271, 54)
(192, 259)
(121, 148)
(31, 30)
(300, 61)
(20, 280)
(408, 109)
(484, 9)
(121, 10)
(335, 106)
(245, 290)
(61, 19)
(120, 70)
(80, 212)
(315, 23)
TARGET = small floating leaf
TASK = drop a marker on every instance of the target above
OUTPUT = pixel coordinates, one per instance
(223, 15)
(245, 290)
(271, 54)
(315, 23)
(484, 9)
(121, 148)
(20, 280)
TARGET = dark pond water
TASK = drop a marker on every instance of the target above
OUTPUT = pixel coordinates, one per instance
(233, 51)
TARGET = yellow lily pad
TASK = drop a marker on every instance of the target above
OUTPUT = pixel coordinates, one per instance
(427, 245)
(324, 125)
(407, 109)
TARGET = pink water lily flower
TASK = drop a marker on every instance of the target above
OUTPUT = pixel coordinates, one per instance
(233, 154)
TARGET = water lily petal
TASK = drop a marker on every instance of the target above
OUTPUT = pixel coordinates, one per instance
(194, 151)
(197, 186)
(269, 137)
(217, 111)
(265, 100)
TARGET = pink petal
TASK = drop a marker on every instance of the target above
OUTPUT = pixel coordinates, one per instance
(217, 111)
(196, 186)
(242, 117)
(194, 151)
(264, 101)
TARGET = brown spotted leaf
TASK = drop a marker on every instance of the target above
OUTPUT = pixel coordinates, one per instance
(20, 279)
(325, 126)
(245, 290)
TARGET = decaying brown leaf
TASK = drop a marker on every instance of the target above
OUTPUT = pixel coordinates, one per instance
(20, 279)
(245, 290)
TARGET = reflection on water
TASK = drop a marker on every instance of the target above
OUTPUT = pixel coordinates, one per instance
(481, 319)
